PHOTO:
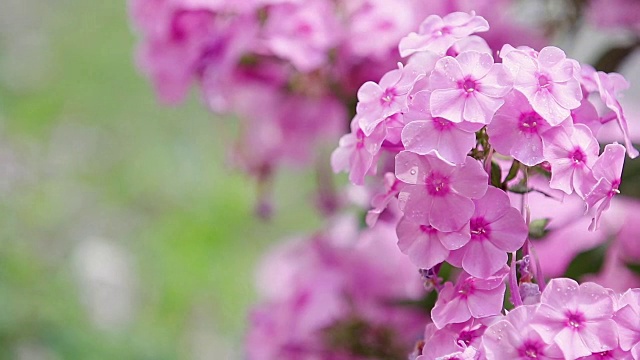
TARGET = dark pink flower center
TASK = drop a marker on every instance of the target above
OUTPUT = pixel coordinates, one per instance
(437, 184)
(480, 229)
(531, 349)
(543, 81)
(443, 31)
(466, 288)
(441, 124)
(469, 86)
(614, 188)
(574, 320)
(529, 122)
(603, 355)
(387, 96)
(360, 137)
(304, 28)
(427, 229)
(467, 336)
(577, 156)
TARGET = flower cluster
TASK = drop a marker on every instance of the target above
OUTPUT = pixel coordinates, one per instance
(288, 69)
(443, 127)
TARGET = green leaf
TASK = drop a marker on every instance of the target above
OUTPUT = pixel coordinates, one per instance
(633, 266)
(587, 262)
(496, 175)
(513, 172)
(538, 228)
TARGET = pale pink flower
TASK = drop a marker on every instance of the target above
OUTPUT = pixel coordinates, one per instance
(607, 170)
(449, 141)
(439, 194)
(516, 130)
(577, 318)
(572, 151)
(496, 229)
(454, 341)
(425, 245)
(615, 354)
(513, 338)
(549, 81)
(470, 297)
(468, 87)
(627, 317)
(438, 34)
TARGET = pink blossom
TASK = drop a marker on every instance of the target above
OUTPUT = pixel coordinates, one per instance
(516, 130)
(468, 87)
(380, 201)
(454, 341)
(356, 151)
(426, 246)
(379, 101)
(587, 114)
(577, 318)
(607, 170)
(439, 194)
(438, 34)
(470, 297)
(303, 33)
(572, 151)
(513, 338)
(449, 141)
(627, 317)
(496, 229)
(548, 81)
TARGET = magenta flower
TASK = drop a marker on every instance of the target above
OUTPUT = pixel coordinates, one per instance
(514, 338)
(496, 229)
(389, 97)
(470, 297)
(425, 245)
(439, 194)
(572, 151)
(356, 151)
(607, 170)
(549, 81)
(468, 87)
(577, 318)
(516, 130)
(449, 141)
(438, 34)
(454, 341)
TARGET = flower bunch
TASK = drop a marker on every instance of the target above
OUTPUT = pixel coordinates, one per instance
(288, 69)
(444, 127)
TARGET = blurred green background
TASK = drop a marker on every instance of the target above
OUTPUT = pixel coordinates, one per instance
(123, 233)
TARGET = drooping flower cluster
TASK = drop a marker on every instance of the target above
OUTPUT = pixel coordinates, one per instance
(288, 69)
(444, 127)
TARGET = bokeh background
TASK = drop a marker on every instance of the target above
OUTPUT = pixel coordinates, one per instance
(123, 233)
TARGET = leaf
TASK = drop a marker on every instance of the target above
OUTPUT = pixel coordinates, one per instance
(587, 262)
(513, 172)
(538, 228)
(496, 175)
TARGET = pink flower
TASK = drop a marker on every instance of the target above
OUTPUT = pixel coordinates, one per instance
(496, 229)
(468, 87)
(516, 130)
(379, 101)
(577, 318)
(356, 151)
(438, 34)
(627, 317)
(439, 194)
(549, 81)
(426, 246)
(303, 33)
(380, 201)
(572, 151)
(607, 170)
(449, 141)
(514, 338)
(470, 297)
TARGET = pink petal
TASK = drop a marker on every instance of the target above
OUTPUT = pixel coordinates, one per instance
(423, 248)
(599, 336)
(509, 232)
(571, 344)
(448, 104)
(482, 259)
(475, 64)
(450, 212)
(470, 179)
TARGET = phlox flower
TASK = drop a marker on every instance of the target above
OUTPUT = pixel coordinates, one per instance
(449, 141)
(517, 129)
(303, 33)
(572, 151)
(627, 317)
(380, 201)
(356, 151)
(607, 170)
(437, 193)
(548, 80)
(377, 101)
(454, 341)
(615, 354)
(496, 229)
(470, 297)
(425, 245)
(577, 318)
(513, 338)
(468, 87)
(438, 34)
